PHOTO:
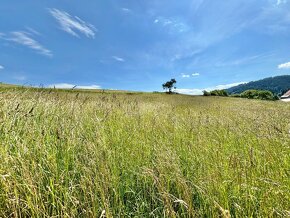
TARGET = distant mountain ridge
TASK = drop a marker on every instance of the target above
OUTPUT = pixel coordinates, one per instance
(278, 85)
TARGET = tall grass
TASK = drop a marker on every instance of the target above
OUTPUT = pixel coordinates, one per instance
(79, 154)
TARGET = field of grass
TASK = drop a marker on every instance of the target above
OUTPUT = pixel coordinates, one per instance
(86, 154)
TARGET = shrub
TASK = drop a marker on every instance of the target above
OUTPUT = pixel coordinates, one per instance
(249, 94)
(258, 94)
(216, 93)
(206, 93)
(265, 95)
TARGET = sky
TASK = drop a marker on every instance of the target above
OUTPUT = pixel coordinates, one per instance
(140, 44)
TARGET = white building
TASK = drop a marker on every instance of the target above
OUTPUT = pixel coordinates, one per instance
(286, 96)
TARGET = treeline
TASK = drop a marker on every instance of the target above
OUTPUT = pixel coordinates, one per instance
(222, 92)
(250, 94)
(277, 85)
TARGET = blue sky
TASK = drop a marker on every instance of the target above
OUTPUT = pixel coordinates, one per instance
(138, 45)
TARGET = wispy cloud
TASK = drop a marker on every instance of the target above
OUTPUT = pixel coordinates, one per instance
(1, 67)
(284, 66)
(274, 19)
(200, 91)
(26, 39)
(72, 24)
(245, 60)
(173, 24)
(279, 2)
(195, 74)
(70, 86)
(31, 30)
(118, 58)
(206, 28)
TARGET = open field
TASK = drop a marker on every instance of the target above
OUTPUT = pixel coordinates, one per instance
(94, 154)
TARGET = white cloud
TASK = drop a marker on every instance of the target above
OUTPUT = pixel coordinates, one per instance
(72, 24)
(1, 67)
(70, 86)
(126, 10)
(226, 86)
(190, 91)
(118, 58)
(284, 66)
(188, 76)
(25, 39)
(200, 91)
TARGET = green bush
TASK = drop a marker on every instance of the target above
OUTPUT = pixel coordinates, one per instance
(265, 95)
(216, 93)
(206, 93)
(249, 94)
(258, 94)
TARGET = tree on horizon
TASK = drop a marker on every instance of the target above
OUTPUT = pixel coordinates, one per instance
(169, 85)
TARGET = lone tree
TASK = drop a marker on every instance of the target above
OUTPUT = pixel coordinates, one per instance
(169, 85)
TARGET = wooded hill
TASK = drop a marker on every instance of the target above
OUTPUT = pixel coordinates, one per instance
(278, 85)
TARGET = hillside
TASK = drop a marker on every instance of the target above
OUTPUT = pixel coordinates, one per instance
(6, 85)
(278, 85)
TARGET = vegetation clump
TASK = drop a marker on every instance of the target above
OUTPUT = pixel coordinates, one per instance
(250, 94)
(222, 93)
(258, 94)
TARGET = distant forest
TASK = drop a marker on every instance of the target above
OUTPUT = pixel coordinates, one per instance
(277, 85)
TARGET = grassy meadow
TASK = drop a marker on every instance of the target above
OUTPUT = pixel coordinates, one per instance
(106, 154)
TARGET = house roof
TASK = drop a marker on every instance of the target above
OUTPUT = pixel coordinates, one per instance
(287, 94)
